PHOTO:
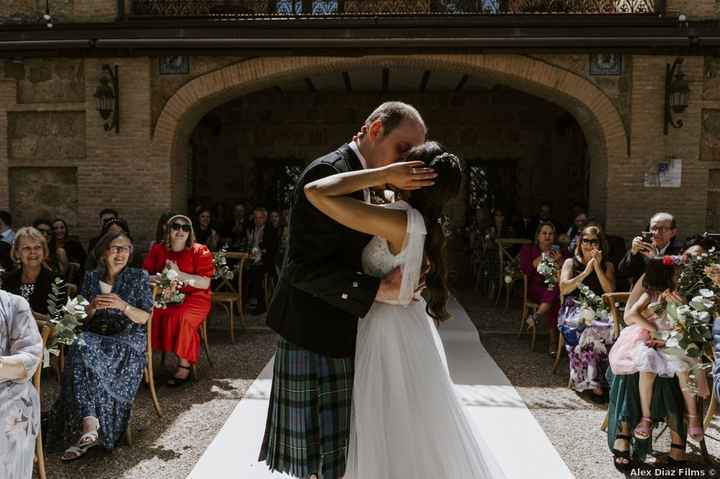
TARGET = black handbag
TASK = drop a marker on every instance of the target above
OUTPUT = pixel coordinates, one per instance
(107, 322)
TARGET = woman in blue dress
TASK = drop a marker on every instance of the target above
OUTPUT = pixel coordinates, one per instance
(105, 366)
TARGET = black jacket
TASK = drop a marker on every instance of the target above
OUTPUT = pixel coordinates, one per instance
(322, 291)
(634, 265)
(12, 281)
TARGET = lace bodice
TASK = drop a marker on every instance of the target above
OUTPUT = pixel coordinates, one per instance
(378, 260)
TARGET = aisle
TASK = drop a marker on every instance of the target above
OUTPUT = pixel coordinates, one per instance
(500, 416)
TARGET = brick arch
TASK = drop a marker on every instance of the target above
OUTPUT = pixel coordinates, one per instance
(597, 115)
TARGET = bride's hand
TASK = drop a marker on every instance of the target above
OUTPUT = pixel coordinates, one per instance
(409, 175)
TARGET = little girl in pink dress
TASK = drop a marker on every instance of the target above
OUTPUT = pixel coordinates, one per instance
(640, 348)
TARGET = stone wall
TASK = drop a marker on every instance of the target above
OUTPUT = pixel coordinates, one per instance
(62, 11)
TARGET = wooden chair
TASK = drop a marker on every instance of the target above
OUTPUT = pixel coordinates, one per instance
(561, 346)
(504, 245)
(39, 452)
(527, 306)
(613, 300)
(229, 296)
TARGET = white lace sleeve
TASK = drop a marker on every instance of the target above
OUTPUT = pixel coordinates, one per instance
(412, 255)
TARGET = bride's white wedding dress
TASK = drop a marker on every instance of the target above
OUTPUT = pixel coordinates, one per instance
(407, 421)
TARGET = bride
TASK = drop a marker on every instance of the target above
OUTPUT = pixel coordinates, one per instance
(407, 421)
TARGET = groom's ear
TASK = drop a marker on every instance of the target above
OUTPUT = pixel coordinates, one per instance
(375, 130)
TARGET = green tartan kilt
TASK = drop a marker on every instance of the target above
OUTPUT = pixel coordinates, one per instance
(668, 406)
(308, 422)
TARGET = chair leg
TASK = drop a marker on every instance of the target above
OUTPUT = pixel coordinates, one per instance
(40, 456)
(534, 335)
(558, 353)
(231, 315)
(150, 378)
(604, 425)
(507, 295)
(523, 319)
(205, 343)
(712, 407)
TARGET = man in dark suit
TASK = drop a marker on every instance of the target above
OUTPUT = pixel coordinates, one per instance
(320, 295)
(664, 242)
(263, 238)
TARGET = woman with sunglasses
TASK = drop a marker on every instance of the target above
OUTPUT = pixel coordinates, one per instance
(175, 328)
(104, 368)
(587, 346)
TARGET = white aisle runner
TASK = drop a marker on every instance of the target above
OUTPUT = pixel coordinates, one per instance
(500, 416)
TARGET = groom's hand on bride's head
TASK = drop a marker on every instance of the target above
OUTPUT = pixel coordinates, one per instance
(409, 175)
(390, 286)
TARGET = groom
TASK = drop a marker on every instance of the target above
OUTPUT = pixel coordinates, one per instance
(320, 295)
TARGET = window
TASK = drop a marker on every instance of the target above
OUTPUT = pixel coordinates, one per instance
(314, 7)
(478, 194)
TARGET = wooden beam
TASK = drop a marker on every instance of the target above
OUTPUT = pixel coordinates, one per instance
(348, 84)
(385, 79)
(462, 83)
(310, 85)
(424, 81)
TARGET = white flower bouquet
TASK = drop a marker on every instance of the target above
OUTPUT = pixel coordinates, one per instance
(549, 270)
(222, 270)
(169, 286)
(511, 270)
(592, 306)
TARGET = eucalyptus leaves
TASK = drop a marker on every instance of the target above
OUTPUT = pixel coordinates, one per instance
(592, 306)
(168, 285)
(66, 316)
(549, 270)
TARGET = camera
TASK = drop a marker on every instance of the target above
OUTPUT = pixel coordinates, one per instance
(647, 236)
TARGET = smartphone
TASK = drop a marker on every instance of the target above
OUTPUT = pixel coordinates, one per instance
(647, 236)
(556, 248)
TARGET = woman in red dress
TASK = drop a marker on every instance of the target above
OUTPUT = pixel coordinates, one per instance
(175, 328)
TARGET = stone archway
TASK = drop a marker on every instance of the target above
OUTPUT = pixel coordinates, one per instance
(597, 115)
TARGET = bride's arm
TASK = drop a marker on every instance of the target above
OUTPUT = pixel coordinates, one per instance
(326, 195)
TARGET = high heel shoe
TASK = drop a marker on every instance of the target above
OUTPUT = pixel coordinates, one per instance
(177, 382)
(619, 456)
(696, 433)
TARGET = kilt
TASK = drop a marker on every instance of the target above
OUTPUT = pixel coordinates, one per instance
(308, 422)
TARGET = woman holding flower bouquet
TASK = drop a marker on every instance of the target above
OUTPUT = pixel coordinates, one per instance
(583, 319)
(104, 366)
(188, 267)
(541, 290)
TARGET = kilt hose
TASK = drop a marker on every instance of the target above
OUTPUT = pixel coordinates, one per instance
(308, 422)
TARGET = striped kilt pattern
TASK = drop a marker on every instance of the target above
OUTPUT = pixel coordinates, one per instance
(308, 422)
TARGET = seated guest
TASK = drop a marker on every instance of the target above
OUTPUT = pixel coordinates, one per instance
(103, 369)
(175, 328)
(664, 232)
(574, 232)
(57, 259)
(32, 279)
(538, 292)
(587, 345)
(263, 243)
(544, 216)
(161, 228)
(6, 262)
(238, 233)
(6, 232)
(73, 248)
(206, 234)
(112, 225)
(21, 350)
(105, 215)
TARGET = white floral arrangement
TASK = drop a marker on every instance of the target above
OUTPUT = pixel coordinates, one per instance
(592, 306)
(169, 285)
(66, 316)
(692, 324)
(549, 270)
(512, 270)
(222, 270)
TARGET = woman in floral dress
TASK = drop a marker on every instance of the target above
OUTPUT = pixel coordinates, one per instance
(587, 344)
(21, 350)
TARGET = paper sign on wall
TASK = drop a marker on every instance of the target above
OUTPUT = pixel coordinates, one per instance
(668, 175)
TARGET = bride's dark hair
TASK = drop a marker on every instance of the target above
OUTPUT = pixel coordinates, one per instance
(430, 202)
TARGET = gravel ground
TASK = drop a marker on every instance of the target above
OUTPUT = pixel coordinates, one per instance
(168, 447)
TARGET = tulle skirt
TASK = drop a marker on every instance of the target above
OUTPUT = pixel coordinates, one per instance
(630, 355)
(406, 418)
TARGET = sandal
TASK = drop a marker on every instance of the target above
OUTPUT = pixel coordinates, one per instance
(177, 382)
(671, 461)
(643, 430)
(696, 433)
(619, 455)
(86, 441)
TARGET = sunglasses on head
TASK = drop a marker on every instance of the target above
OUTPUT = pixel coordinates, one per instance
(595, 242)
(180, 226)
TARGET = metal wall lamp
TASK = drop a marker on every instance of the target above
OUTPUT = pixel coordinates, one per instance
(677, 90)
(107, 98)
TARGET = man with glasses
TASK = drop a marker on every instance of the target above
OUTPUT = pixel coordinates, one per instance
(664, 231)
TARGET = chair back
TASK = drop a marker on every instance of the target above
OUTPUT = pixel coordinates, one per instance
(504, 254)
(615, 303)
